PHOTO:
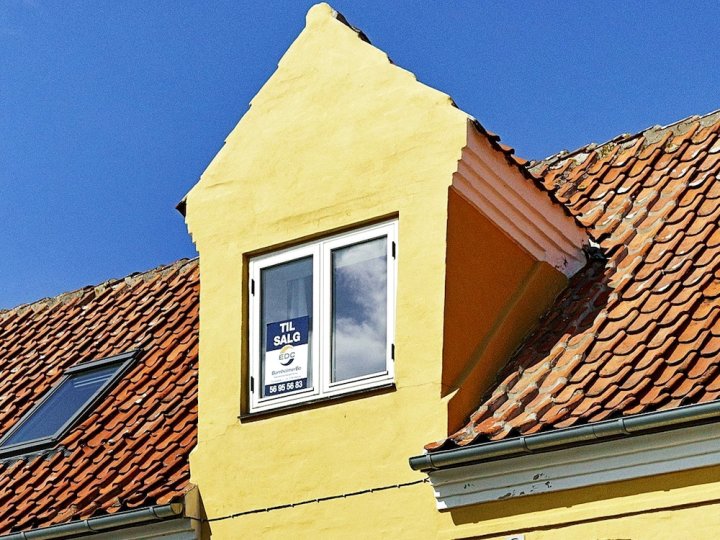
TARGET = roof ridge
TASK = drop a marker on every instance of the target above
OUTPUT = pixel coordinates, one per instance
(622, 138)
(131, 278)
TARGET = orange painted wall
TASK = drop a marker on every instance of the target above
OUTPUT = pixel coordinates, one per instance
(494, 294)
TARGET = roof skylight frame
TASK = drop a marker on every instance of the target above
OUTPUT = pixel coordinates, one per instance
(125, 361)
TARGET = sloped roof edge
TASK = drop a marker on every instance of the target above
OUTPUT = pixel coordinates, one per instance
(508, 152)
(639, 424)
(651, 133)
(130, 279)
(522, 165)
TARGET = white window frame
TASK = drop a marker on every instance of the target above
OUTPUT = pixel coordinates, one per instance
(320, 251)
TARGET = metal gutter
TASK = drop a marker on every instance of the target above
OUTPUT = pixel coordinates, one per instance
(562, 438)
(150, 514)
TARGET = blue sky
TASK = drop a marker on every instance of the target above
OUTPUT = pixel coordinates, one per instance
(110, 111)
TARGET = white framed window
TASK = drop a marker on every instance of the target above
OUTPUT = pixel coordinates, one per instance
(322, 318)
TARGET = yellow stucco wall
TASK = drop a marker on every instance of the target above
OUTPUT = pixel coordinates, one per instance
(336, 138)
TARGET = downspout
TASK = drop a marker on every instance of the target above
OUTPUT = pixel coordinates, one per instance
(605, 430)
(99, 524)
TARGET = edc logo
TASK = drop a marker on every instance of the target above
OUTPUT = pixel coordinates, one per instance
(287, 355)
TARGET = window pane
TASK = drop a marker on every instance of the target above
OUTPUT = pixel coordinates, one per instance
(62, 405)
(286, 327)
(359, 309)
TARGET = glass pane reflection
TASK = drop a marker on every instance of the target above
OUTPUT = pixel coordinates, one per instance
(359, 309)
(71, 396)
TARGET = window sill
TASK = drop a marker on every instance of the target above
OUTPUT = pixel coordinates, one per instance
(318, 402)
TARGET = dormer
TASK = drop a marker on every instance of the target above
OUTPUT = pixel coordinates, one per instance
(366, 249)
(510, 250)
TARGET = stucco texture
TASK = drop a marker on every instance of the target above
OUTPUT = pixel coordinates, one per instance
(337, 137)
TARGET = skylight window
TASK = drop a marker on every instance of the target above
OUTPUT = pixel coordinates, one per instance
(58, 410)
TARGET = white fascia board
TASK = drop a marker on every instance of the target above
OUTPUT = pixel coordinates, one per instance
(172, 529)
(517, 207)
(593, 464)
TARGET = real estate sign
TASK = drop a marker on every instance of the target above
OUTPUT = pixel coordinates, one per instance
(286, 356)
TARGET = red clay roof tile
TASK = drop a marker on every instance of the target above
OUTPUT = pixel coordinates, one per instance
(99, 466)
(639, 331)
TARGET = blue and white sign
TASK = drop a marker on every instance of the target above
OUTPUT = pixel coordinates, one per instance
(286, 356)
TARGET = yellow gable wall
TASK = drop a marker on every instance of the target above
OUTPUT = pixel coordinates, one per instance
(338, 136)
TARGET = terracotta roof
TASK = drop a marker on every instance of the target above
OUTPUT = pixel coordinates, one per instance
(132, 449)
(638, 329)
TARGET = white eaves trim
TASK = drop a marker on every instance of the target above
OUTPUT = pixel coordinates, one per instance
(174, 529)
(526, 214)
(581, 466)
